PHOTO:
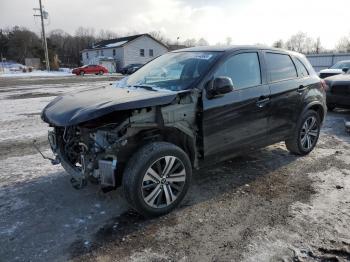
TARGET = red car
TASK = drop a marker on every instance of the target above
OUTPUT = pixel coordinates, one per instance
(90, 69)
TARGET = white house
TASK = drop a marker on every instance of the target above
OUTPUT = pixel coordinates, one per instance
(117, 53)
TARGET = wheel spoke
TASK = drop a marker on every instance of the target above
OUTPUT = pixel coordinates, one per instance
(169, 162)
(167, 195)
(153, 195)
(152, 175)
(308, 142)
(175, 186)
(178, 177)
(305, 126)
(303, 140)
(312, 124)
(313, 133)
(149, 185)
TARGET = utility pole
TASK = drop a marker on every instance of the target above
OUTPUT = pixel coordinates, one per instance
(43, 34)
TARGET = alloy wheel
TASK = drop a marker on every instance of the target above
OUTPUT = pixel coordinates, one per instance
(309, 133)
(163, 182)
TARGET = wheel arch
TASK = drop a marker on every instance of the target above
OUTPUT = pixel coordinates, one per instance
(171, 135)
(318, 107)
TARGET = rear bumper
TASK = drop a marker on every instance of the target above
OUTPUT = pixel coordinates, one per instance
(340, 100)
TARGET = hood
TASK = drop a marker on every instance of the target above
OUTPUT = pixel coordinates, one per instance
(331, 71)
(78, 107)
(340, 79)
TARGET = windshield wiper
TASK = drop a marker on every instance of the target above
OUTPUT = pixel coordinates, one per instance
(147, 87)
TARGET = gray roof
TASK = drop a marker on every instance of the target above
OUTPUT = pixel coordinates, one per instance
(119, 42)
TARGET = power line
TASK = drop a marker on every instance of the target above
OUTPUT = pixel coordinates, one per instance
(43, 15)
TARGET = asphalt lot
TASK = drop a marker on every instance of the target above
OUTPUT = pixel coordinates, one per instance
(265, 206)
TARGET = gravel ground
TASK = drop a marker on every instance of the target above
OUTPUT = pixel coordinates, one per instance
(265, 206)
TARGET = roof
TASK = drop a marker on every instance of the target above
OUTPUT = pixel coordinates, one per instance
(328, 54)
(176, 47)
(119, 42)
(227, 48)
(122, 40)
(232, 48)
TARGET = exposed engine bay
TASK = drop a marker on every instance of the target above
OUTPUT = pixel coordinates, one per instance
(96, 151)
(88, 154)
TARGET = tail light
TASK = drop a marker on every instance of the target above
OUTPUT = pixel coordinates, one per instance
(324, 85)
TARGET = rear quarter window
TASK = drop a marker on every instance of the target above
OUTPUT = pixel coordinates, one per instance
(302, 71)
(280, 67)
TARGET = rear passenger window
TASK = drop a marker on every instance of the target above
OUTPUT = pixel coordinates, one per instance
(243, 69)
(302, 71)
(280, 67)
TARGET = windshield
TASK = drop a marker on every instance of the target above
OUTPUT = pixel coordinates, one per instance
(341, 65)
(173, 71)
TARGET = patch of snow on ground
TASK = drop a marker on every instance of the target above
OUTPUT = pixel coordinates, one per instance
(37, 73)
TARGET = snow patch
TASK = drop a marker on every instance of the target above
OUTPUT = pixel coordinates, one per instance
(37, 73)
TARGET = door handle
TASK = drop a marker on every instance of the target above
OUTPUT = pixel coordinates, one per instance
(301, 88)
(262, 101)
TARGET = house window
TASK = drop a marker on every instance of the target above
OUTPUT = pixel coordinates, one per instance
(87, 55)
(113, 52)
(151, 52)
(101, 52)
(142, 52)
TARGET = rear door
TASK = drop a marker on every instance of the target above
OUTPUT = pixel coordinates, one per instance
(238, 119)
(91, 69)
(286, 94)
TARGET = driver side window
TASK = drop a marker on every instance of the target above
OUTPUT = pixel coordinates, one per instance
(243, 69)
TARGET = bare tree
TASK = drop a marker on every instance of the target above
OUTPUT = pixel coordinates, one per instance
(157, 35)
(343, 45)
(106, 35)
(278, 44)
(202, 42)
(318, 47)
(301, 43)
(190, 42)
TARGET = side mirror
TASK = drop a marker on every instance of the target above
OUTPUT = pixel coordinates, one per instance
(219, 86)
(345, 69)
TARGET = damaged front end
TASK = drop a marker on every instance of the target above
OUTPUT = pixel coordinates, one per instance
(97, 150)
(88, 154)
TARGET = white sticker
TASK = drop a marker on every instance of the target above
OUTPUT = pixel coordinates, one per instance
(203, 56)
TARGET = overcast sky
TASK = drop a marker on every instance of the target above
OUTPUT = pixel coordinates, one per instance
(245, 21)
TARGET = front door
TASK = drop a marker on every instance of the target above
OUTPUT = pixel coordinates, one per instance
(237, 120)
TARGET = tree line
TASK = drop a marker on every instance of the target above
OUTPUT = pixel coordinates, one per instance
(18, 43)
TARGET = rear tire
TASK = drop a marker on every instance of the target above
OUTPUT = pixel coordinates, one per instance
(156, 178)
(305, 134)
(101, 73)
(330, 107)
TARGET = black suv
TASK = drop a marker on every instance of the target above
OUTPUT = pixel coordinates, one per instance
(180, 111)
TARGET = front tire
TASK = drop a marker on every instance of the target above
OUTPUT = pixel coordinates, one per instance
(306, 134)
(82, 73)
(101, 73)
(157, 178)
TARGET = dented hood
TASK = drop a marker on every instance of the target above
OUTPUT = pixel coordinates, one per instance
(78, 107)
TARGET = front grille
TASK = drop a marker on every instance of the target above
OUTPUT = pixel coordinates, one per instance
(341, 89)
